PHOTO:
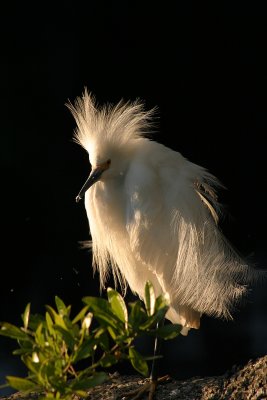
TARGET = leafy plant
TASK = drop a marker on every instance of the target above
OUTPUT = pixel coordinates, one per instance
(102, 333)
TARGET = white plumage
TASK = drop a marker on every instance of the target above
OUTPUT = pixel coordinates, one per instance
(153, 216)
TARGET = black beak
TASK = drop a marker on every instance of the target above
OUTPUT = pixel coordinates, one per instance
(94, 176)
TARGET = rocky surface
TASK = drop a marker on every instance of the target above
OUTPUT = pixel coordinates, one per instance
(248, 382)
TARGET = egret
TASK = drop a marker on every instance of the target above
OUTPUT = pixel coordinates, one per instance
(153, 216)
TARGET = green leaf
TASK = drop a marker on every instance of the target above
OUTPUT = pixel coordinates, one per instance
(12, 331)
(162, 301)
(112, 333)
(53, 314)
(68, 324)
(103, 339)
(108, 320)
(55, 371)
(108, 360)
(118, 305)
(80, 315)
(39, 336)
(58, 319)
(32, 366)
(21, 383)
(137, 314)
(26, 347)
(26, 315)
(49, 324)
(150, 298)
(68, 310)
(61, 307)
(66, 336)
(138, 362)
(152, 321)
(35, 320)
(169, 331)
(97, 303)
(86, 383)
(48, 396)
(80, 393)
(85, 350)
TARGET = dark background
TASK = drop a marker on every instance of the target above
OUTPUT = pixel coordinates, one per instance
(205, 69)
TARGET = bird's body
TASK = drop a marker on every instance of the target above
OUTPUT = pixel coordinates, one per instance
(153, 216)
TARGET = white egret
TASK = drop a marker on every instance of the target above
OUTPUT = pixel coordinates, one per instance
(153, 216)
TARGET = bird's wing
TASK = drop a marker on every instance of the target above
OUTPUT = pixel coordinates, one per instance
(158, 191)
(171, 222)
(144, 211)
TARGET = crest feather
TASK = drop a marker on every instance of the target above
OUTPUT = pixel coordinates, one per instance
(116, 124)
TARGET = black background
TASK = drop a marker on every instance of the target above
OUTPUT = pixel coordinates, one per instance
(205, 69)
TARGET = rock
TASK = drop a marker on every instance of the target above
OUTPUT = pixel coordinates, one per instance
(248, 382)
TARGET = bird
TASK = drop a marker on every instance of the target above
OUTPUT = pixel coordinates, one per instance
(154, 216)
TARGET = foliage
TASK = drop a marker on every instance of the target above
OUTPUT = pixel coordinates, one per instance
(102, 333)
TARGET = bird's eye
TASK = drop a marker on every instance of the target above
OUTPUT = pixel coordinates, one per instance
(108, 162)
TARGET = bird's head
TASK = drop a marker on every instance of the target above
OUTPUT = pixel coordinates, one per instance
(109, 134)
